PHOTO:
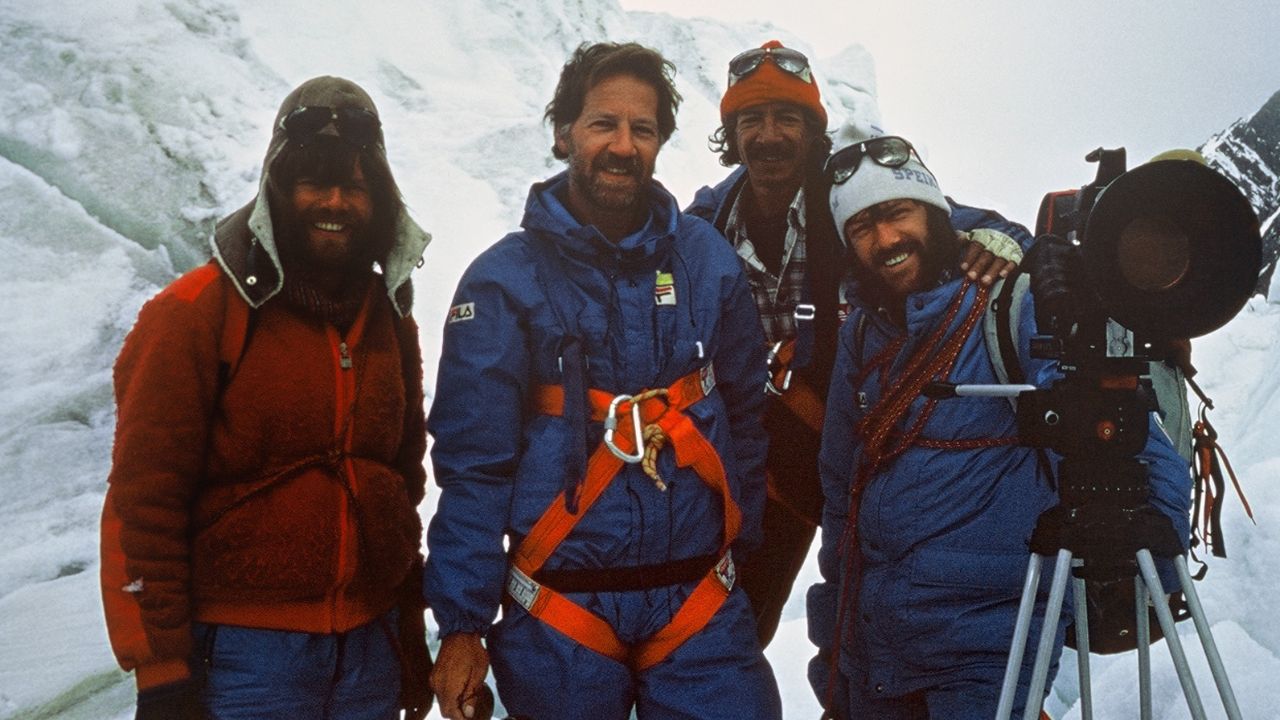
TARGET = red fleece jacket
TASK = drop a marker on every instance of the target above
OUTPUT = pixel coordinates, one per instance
(287, 503)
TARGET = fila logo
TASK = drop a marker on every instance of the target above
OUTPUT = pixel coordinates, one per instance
(458, 313)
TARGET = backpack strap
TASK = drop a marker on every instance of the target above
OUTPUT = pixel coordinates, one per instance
(238, 323)
(1000, 330)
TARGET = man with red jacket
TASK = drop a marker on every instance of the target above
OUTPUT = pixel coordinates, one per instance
(259, 535)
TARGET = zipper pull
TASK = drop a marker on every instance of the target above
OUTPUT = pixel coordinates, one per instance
(345, 357)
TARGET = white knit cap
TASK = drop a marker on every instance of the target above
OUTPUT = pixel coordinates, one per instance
(873, 183)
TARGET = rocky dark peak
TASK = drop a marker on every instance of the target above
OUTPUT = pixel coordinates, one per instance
(1248, 152)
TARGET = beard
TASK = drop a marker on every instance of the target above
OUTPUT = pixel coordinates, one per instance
(348, 261)
(938, 252)
(610, 182)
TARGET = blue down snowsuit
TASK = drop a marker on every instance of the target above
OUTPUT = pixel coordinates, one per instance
(500, 463)
(943, 533)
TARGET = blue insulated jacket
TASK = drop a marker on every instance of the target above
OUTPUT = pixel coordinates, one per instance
(943, 533)
(500, 463)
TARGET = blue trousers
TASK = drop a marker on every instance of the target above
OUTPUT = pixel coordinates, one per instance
(972, 699)
(960, 700)
(718, 673)
(253, 674)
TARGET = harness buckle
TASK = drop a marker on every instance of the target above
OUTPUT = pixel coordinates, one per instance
(522, 588)
(611, 425)
(805, 312)
(726, 572)
(769, 359)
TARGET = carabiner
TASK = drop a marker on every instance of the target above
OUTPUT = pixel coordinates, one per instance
(769, 386)
(611, 424)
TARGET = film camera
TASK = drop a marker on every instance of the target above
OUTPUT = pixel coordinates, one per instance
(1123, 267)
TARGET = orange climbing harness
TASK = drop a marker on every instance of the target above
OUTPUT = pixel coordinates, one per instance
(792, 390)
(657, 419)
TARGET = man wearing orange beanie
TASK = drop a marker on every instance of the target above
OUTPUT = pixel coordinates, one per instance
(773, 209)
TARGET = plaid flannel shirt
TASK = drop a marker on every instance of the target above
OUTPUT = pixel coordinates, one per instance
(776, 295)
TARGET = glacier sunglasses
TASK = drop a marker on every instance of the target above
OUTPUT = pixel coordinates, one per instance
(888, 151)
(358, 126)
(788, 60)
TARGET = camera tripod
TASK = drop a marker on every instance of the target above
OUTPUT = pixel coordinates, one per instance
(1107, 541)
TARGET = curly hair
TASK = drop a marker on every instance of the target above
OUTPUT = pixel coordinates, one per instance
(593, 63)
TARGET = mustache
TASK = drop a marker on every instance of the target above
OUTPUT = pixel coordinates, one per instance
(311, 217)
(783, 150)
(631, 165)
(902, 246)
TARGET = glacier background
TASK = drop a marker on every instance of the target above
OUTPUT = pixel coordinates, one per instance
(127, 127)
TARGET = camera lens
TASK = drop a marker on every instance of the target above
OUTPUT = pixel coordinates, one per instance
(1153, 253)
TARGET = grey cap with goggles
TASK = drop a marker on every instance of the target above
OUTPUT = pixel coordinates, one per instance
(869, 167)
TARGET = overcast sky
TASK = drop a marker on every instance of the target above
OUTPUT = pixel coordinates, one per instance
(1007, 96)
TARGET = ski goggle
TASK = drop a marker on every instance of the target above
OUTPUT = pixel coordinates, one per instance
(788, 60)
(887, 151)
(358, 126)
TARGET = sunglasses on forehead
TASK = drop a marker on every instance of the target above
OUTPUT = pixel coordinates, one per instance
(357, 126)
(888, 151)
(788, 60)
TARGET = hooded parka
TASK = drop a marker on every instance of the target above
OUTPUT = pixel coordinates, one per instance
(277, 493)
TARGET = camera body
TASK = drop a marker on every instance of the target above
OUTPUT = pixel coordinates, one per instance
(1122, 267)
(1170, 249)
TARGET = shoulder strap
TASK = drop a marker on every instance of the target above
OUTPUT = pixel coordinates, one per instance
(860, 337)
(551, 274)
(1000, 329)
(238, 323)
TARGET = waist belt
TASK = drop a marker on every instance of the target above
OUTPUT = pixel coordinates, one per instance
(593, 632)
(624, 579)
(657, 419)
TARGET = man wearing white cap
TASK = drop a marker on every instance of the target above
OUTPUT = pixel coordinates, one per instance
(772, 208)
(929, 505)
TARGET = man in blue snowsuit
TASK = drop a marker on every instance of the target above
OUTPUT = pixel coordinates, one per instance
(615, 326)
(773, 210)
(929, 504)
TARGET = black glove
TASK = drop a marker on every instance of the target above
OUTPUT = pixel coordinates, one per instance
(171, 701)
(415, 659)
(1054, 267)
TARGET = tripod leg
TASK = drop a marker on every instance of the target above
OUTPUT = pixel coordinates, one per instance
(1142, 621)
(1148, 568)
(1048, 631)
(1206, 640)
(1021, 628)
(1082, 648)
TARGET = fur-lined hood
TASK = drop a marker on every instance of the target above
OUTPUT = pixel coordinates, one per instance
(244, 243)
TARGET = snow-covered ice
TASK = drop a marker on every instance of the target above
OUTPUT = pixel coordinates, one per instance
(127, 127)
